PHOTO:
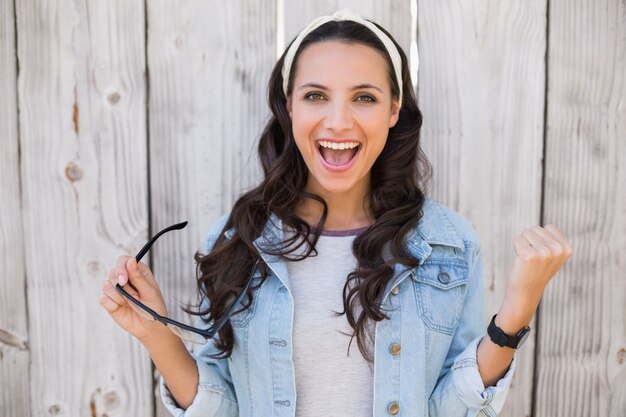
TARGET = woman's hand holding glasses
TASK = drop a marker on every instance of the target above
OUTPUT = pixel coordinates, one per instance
(136, 304)
(136, 279)
(132, 297)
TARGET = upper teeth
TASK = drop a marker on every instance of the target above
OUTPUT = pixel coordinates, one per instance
(334, 145)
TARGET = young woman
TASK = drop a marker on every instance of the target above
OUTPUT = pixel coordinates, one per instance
(339, 241)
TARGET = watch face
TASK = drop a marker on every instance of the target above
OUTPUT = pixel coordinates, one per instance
(523, 335)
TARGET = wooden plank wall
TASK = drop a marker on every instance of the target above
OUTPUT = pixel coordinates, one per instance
(581, 354)
(121, 118)
(81, 92)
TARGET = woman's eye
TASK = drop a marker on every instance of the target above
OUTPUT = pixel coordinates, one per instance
(311, 95)
(369, 98)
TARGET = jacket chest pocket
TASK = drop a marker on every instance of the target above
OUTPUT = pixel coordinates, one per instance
(440, 288)
(242, 318)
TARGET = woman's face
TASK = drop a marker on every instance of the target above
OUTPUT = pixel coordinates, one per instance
(341, 97)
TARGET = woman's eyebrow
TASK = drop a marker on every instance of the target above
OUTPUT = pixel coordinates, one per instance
(356, 87)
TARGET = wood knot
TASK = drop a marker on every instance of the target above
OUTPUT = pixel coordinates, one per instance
(111, 400)
(73, 172)
(11, 339)
(114, 98)
(95, 269)
(54, 409)
(103, 403)
(621, 356)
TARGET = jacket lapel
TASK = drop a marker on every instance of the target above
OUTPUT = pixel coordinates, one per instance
(271, 236)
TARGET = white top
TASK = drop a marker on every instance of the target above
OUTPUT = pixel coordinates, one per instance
(329, 382)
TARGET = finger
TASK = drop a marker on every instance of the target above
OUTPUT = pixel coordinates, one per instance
(127, 287)
(549, 240)
(521, 245)
(121, 275)
(114, 279)
(537, 242)
(112, 293)
(534, 239)
(542, 233)
(145, 271)
(559, 236)
(136, 278)
(109, 305)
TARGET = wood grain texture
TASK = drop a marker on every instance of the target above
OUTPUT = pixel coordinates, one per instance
(95, 157)
(14, 343)
(481, 91)
(582, 345)
(209, 64)
(84, 163)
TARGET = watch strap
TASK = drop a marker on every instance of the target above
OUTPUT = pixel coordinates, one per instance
(502, 339)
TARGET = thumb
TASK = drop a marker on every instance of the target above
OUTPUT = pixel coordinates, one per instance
(137, 278)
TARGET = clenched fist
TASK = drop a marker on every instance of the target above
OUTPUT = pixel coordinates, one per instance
(541, 252)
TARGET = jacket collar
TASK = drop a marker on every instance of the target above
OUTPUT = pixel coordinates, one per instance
(434, 228)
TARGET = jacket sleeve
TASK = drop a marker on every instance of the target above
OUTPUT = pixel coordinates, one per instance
(216, 394)
(460, 391)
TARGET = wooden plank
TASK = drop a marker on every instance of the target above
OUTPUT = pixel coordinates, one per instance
(14, 349)
(481, 91)
(581, 359)
(209, 65)
(83, 146)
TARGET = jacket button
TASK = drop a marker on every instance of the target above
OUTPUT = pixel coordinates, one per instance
(395, 290)
(394, 348)
(444, 277)
(393, 408)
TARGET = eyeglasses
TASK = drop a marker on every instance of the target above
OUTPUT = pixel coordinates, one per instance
(189, 333)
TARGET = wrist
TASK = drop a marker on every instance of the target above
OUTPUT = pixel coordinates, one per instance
(158, 338)
(510, 325)
(515, 312)
(522, 295)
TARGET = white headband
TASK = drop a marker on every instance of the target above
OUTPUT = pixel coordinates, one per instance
(344, 14)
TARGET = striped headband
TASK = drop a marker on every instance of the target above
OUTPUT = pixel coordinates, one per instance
(344, 14)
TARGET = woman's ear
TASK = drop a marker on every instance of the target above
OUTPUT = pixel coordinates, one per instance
(289, 105)
(395, 114)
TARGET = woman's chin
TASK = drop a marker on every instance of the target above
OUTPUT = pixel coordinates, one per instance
(336, 185)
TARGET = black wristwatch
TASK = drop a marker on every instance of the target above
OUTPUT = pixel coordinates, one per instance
(502, 339)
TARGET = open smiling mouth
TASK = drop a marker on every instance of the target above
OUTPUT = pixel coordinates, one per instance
(338, 157)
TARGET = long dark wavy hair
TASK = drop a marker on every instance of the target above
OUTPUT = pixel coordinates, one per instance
(398, 178)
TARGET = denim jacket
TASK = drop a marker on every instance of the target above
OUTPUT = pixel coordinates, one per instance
(436, 316)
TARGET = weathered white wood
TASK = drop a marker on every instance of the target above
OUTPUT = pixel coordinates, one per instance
(481, 91)
(83, 152)
(209, 68)
(14, 353)
(581, 358)
(74, 176)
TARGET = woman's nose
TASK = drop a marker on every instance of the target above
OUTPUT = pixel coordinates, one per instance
(339, 116)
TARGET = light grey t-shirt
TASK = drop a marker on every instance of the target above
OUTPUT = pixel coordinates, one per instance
(328, 381)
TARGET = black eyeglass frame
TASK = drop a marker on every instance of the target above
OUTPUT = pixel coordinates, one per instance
(206, 333)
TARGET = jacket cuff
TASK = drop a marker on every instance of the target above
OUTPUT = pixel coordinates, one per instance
(469, 385)
(208, 402)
